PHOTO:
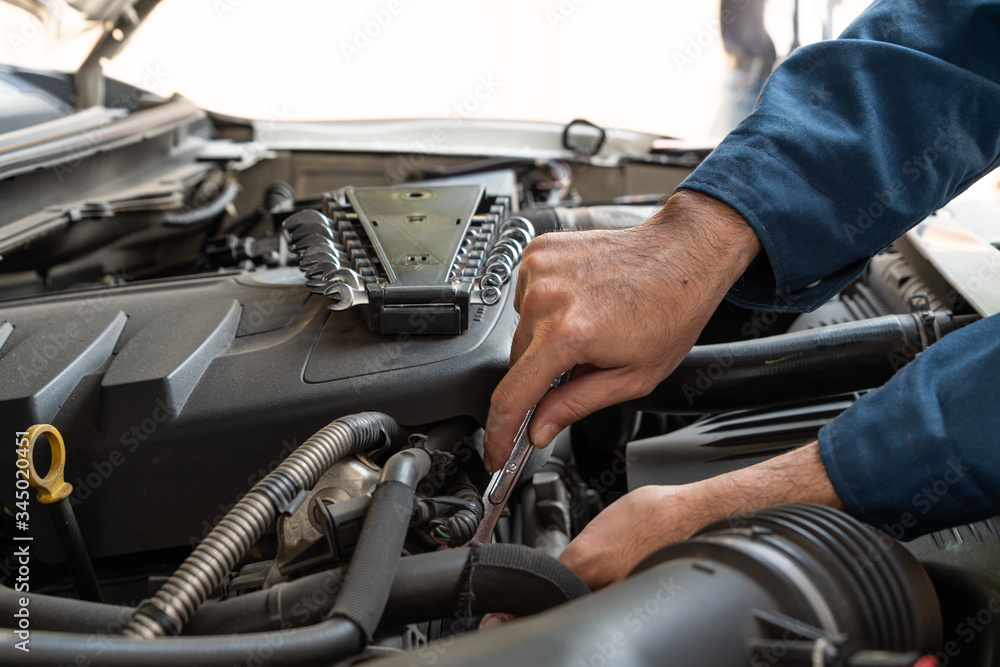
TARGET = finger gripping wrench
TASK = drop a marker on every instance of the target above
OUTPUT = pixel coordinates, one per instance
(504, 480)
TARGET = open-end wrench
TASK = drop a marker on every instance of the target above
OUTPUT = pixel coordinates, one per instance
(504, 480)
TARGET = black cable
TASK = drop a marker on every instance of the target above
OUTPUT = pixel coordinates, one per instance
(206, 212)
(75, 549)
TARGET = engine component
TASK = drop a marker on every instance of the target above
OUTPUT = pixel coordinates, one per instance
(281, 491)
(778, 582)
(451, 520)
(505, 479)
(349, 626)
(453, 583)
(856, 303)
(208, 211)
(964, 564)
(546, 514)
(365, 591)
(53, 491)
(791, 367)
(325, 528)
(950, 242)
(415, 257)
(893, 278)
(170, 378)
(721, 443)
(339, 527)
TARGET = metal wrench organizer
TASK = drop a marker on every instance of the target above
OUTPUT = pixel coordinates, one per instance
(413, 258)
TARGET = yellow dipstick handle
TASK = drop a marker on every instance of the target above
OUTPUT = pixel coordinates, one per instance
(52, 488)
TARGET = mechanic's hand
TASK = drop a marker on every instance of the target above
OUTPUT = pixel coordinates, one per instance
(630, 529)
(652, 517)
(622, 307)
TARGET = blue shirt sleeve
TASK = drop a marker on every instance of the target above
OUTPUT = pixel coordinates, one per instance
(854, 141)
(857, 139)
(922, 452)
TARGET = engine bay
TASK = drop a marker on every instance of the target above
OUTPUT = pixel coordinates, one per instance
(264, 371)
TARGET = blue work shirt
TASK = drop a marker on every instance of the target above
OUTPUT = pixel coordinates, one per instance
(853, 142)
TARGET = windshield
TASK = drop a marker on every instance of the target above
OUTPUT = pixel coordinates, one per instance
(658, 67)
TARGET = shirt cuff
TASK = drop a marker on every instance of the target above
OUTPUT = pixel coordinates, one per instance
(798, 270)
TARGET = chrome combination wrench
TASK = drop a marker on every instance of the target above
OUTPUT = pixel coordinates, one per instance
(505, 479)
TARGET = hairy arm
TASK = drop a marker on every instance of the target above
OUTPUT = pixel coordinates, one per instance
(652, 517)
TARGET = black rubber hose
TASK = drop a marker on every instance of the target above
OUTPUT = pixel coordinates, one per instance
(369, 577)
(463, 582)
(206, 212)
(49, 612)
(321, 644)
(453, 583)
(353, 618)
(797, 366)
(506, 578)
(478, 579)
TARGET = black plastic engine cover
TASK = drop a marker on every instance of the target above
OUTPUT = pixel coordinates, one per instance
(175, 397)
(721, 443)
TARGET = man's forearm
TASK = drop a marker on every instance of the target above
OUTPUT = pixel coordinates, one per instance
(720, 243)
(797, 476)
(652, 517)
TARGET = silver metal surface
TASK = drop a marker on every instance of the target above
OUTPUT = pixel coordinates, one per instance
(505, 479)
(348, 478)
(408, 236)
(343, 296)
(517, 222)
(955, 240)
(490, 295)
(491, 280)
(416, 231)
(518, 234)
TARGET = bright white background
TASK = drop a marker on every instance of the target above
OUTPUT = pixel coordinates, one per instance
(655, 66)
